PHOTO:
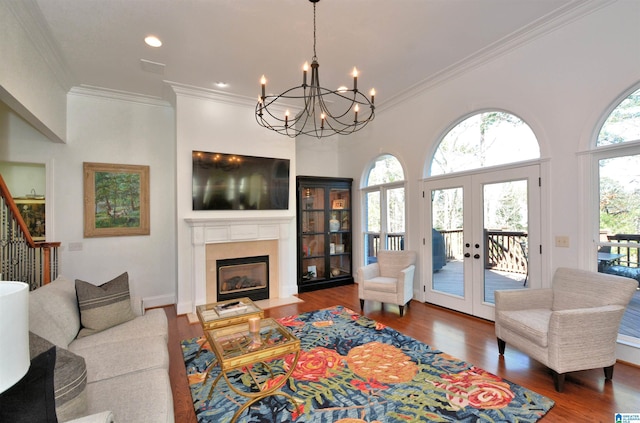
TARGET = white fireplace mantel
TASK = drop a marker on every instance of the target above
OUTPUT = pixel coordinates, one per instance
(225, 230)
(211, 230)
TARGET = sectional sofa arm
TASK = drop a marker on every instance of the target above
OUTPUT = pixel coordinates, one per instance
(103, 417)
(523, 299)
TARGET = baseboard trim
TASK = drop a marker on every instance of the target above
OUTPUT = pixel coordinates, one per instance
(158, 301)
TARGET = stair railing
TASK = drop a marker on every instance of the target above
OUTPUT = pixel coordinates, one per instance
(23, 259)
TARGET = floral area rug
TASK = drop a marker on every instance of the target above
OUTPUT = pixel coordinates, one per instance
(353, 369)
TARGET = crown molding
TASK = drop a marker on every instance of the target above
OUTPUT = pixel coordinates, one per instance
(209, 94)
(92, 91)
(560, 17)
(221, 97)
(30, 18)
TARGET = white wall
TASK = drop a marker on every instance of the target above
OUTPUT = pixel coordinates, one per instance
(31, 84)
(206, 122)
(317, 157)
(23, 179)
(107, 131)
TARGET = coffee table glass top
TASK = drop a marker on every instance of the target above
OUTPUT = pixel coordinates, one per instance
(234, 346)
(227, 312)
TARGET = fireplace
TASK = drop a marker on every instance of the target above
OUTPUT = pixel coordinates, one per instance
(243, 277)
(219, 238)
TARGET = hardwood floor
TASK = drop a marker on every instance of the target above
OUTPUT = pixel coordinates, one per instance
(586, 396)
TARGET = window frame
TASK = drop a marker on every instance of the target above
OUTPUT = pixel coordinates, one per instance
(590, 194)
(383, 189)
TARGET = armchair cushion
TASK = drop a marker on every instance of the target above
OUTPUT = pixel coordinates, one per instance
(531, 324)
(381, 283)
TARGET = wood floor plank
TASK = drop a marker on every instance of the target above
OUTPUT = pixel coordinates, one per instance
(587, 397)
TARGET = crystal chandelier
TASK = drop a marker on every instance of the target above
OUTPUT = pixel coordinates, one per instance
(323, 113)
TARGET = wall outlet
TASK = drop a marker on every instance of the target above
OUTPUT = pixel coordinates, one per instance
(562, 241)
(75, 246)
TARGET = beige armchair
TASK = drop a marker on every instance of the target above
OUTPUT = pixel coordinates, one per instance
(569, 327)
(390, 280)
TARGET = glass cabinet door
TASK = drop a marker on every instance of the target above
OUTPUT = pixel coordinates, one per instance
(313, 233)
(340, 232)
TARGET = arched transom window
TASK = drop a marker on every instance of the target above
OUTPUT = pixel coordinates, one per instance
(485, 139)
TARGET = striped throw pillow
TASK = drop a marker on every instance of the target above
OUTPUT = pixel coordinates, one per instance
(104, 306)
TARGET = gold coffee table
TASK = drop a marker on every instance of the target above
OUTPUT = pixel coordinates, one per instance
(236, 349)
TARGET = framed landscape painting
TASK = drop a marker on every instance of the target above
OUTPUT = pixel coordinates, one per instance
(116, 200)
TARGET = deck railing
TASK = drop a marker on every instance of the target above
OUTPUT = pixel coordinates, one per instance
(503, 250)
(394, 242)
(627, 245)
(506, 251)
(23, 259)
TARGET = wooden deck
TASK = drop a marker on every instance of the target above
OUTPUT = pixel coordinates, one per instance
(449, 280)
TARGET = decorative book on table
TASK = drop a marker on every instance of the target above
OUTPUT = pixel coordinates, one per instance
(229, 308)
(222, 310)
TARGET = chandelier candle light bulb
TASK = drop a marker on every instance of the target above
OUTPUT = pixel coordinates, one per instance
(305, 68)
(355, 79)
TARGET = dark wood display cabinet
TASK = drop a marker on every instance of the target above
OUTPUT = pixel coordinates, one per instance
(324, 232)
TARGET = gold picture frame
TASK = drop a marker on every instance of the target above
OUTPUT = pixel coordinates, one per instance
(33, 214)
(338, 204)
(116, 200)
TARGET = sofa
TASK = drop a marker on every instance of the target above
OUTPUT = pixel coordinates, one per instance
(115, 373)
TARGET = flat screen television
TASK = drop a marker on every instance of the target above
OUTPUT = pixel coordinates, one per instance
(234, 182)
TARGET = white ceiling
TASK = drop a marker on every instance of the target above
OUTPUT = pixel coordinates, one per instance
(396, 45)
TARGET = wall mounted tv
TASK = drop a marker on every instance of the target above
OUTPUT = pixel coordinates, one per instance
(234, 182)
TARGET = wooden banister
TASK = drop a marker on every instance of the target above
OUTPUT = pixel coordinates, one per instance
(48, 250)
(13, 208)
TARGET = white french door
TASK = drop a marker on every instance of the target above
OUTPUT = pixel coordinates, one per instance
(483, 234)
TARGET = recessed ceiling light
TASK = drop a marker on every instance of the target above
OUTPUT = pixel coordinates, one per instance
(221, 84)
(153, 41)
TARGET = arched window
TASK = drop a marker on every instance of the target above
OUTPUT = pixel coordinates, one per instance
(485, 139)
(623, 124)
(384, 207)
(618, 194)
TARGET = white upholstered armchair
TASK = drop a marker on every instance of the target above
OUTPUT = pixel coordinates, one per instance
(569, 327)
(390, 280)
